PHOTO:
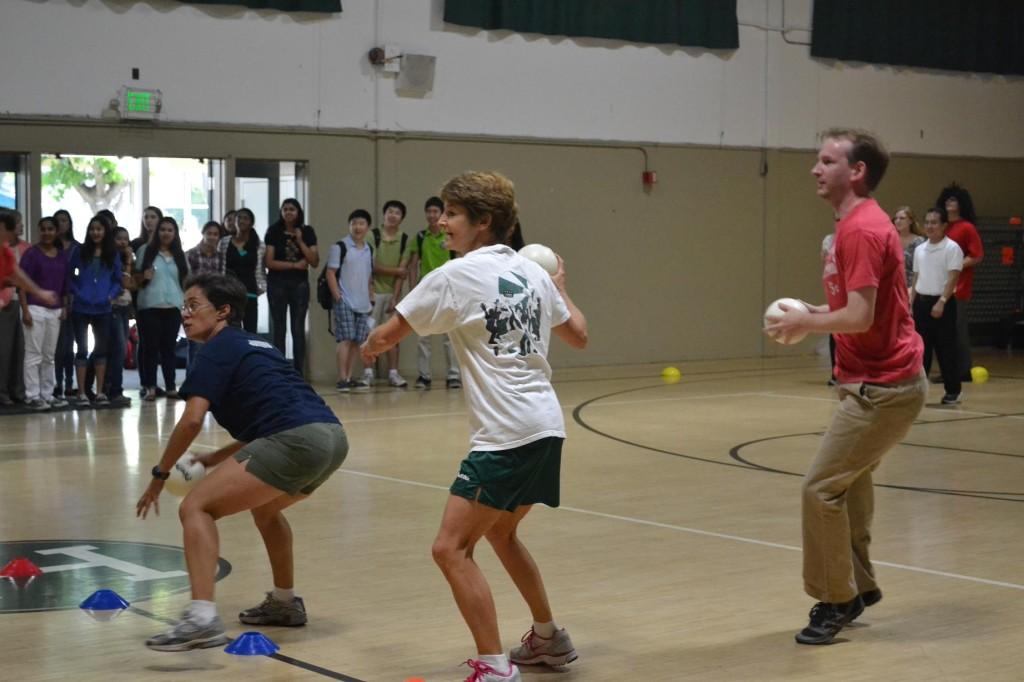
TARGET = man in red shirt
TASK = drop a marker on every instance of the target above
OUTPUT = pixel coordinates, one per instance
(882, 386)
(961, 230)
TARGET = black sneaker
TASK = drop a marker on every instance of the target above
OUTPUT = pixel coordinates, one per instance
(828, 619)
(871, 597)
(422, 383)
(951, 399)
(453, 383)
(358, 386)
(342, 386)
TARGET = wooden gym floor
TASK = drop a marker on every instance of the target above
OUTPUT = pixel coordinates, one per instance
(676, 554)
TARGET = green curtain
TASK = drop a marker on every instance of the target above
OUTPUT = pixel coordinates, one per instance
(698, 23)
(280, 5)
(983, 36)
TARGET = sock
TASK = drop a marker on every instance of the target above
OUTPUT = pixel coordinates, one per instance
(545, 630)
(499, 662)
(281, 594)
(392, 372)
(202, 612)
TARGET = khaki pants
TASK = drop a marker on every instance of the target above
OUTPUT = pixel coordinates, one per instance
(838, 493)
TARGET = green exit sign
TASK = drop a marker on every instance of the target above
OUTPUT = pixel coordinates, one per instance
(141, 104)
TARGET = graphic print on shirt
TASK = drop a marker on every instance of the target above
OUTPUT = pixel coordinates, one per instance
(513, 319)
(292, 252)
(831, 271)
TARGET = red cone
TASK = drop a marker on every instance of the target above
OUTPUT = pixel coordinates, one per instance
(20, 568)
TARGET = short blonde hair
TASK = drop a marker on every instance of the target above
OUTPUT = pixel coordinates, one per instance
(482, 194)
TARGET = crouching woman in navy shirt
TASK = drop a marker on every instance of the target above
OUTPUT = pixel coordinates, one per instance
(287, 443)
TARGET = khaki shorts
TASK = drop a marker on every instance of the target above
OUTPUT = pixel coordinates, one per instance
(506, 479)
(298, 460)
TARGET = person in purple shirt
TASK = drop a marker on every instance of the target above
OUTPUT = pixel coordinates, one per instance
(95, 281)
(47, 264)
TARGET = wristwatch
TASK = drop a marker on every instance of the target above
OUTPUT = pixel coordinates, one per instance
(162, 475)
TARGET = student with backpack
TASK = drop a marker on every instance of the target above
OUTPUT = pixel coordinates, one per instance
(390, 267)
(430, 252)
(349, 278)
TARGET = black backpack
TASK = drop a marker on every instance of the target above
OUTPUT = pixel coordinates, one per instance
(401, 246)
(323, 290)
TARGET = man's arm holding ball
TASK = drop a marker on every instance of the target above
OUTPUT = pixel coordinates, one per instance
(855, 317)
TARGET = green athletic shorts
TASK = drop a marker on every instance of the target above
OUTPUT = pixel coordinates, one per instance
(297, 460)
(506, 479)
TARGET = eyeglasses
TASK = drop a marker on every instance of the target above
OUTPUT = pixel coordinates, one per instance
(191, 308)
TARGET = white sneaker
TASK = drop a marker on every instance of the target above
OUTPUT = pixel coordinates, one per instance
(368, 376)
(485, 673)
(536, 650)
(395, 379)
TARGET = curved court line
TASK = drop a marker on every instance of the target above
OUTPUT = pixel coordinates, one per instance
(708, 533)
(745, 464)
(986, 494)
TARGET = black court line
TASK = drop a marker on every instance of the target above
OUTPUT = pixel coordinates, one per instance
(742, 463)
(298, 663)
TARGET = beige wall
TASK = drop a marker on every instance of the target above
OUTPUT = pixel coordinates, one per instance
(680, 272)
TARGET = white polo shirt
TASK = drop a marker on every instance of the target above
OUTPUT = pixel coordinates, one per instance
(932, 263)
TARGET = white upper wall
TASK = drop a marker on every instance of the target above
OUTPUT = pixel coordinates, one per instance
(230, 65)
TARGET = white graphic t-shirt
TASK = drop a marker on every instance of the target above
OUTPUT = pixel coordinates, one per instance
(498, 309)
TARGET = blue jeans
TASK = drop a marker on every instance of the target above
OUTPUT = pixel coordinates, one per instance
(100, 332)
(289, 300)
(118, 342)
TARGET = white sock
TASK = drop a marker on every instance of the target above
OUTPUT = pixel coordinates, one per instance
(499, 662)
(545, 630)
(202, 612)
(393, 373)
(281, 594)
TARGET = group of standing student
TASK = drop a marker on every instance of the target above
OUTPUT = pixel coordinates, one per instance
(388, 258)
(940, 267)
(287, 442)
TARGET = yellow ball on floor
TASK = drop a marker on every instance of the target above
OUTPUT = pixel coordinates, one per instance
(671, 375)
(979, 375)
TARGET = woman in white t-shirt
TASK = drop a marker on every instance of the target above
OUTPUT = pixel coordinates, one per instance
(499, 310)
(937, 266)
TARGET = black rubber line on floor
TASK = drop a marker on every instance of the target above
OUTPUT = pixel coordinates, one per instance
(742, 463)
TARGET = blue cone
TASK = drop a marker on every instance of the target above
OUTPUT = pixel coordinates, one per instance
(104, 600)
(251, 644)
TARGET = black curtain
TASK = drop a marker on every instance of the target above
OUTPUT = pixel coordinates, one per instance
(698, 23)
(280, 5)
(984, 36)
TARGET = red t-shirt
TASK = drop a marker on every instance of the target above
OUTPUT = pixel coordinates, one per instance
(6, 264)
(967, 238)
(867, 253)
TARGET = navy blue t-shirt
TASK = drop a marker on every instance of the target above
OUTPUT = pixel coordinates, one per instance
(254, 392)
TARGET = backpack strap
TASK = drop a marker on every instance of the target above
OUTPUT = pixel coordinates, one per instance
(401, 248)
